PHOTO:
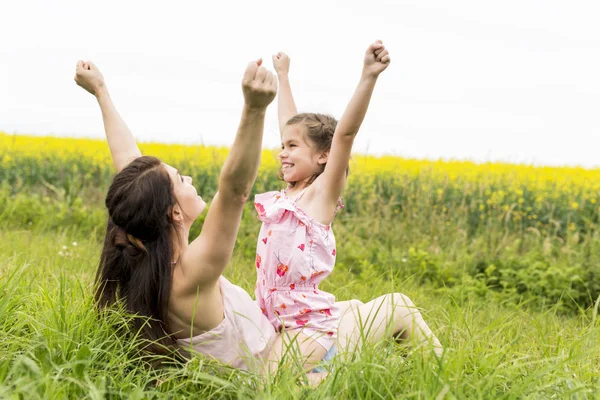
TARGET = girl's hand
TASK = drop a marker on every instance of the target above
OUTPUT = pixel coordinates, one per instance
(89, 77)
(281, 63)
(377, 59)
(259, 86)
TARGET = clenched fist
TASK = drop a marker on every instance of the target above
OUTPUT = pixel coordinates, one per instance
(89, 77)
(281, 63)
(377, 59)
(259, 85)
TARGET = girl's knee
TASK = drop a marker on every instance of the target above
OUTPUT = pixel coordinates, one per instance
(355, 303)
(349, 306)
(399, 300)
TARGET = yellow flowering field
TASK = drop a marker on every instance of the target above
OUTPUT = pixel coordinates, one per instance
(550, 199)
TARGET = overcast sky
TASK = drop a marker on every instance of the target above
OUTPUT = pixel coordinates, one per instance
(505, 80)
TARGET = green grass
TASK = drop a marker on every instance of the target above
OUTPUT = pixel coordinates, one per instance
(53, 345)
(509, 283)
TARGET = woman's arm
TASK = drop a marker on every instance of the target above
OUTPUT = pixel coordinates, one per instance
(121, 142)
(286, 107)
(208, 255)
(241, 166)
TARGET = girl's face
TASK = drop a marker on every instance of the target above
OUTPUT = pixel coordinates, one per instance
(299, 160)
(189, 204)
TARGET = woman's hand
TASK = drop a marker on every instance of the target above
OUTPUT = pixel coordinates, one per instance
(259, 86)
(89, 77)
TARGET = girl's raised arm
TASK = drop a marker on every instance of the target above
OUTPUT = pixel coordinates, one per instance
(121, 142)
(331, 182)
(286, 107)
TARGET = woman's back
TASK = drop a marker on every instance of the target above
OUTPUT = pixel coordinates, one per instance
(242, 338)
(191, 313)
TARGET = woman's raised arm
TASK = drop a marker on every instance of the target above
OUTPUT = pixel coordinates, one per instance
(208, 255)
(121, 142)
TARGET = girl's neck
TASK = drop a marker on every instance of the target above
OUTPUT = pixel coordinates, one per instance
(298, 186)
(292, 191)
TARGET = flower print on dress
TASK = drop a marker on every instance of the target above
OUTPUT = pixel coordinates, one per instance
(281, 268)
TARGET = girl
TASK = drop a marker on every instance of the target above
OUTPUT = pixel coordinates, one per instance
(296, 248)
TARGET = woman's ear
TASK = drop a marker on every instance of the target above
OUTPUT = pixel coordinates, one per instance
(177, 214)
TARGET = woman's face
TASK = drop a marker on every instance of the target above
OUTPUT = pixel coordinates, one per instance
(190, 204)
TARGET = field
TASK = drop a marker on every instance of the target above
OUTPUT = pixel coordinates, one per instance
(503, 260)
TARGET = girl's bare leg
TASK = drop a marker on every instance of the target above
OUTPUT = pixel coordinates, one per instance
(389, 315)
(292, 346)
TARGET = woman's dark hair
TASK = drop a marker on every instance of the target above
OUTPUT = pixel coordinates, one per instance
(319, 130)
(136, 261)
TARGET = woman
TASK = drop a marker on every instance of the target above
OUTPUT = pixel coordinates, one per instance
(148, 262)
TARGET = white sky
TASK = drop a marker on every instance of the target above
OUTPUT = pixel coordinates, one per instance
(505, 80)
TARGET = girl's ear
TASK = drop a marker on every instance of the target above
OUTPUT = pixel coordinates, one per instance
(323, 157)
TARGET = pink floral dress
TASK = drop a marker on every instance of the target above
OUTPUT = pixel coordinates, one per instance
(293, 254)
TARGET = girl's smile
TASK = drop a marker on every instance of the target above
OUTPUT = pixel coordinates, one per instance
(299, 160)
